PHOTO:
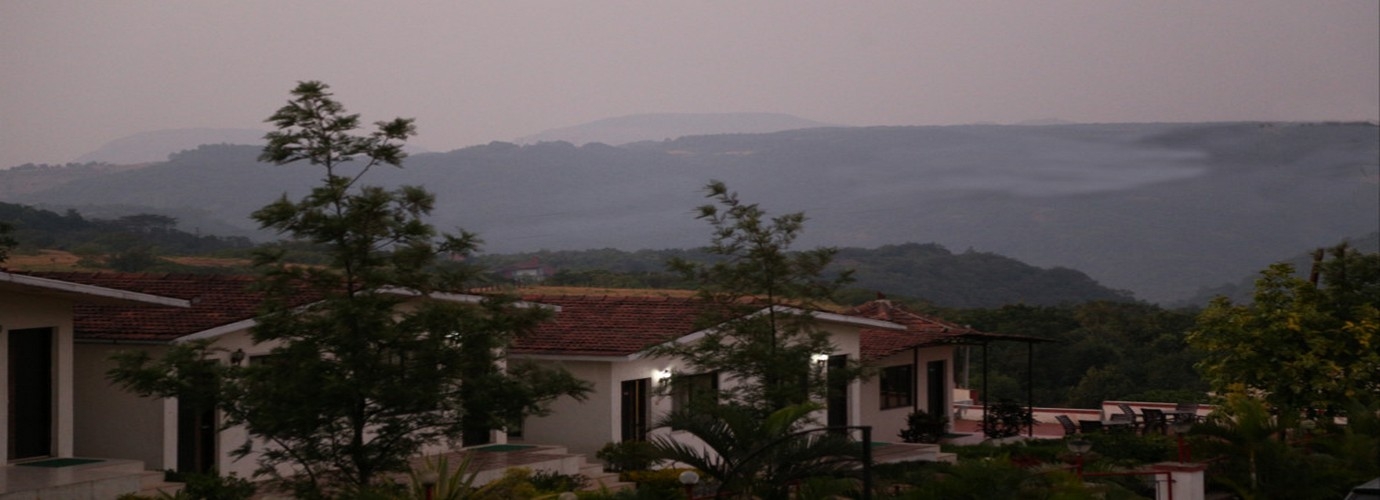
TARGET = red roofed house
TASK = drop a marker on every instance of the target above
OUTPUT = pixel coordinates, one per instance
(37, 382)
(604, 340)
(113, 422)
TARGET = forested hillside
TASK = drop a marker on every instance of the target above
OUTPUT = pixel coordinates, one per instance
(1161, 210)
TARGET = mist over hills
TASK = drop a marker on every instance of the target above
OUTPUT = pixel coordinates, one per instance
(662, 126)
(1161, 210)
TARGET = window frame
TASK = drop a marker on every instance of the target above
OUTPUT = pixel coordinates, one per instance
(895, 390)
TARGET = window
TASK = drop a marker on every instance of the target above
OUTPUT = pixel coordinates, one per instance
(694, 391)
(898, 386)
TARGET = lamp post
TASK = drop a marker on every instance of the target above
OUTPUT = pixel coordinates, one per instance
(1079, 446)
(429, 480)
(689, 479)
(1307, 426)
(1181, 427)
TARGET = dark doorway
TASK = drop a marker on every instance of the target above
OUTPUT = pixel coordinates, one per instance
(837, 391)
(196, 430)
(474, 432)
(936, 385)
(30, 387)
(634, 409)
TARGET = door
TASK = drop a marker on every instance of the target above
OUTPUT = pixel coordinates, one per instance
(837, 400)
(196, 431)
(936, 388)
(30, 388)
(634, 409)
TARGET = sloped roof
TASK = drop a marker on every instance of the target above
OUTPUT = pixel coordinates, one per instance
(35, 284)
(216, 300)
(626, 325)
(920, 331)
(609, 325)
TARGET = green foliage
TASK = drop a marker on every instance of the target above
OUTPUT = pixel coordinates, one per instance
(664, 483)
(923, 427)
(761, 332)
(7, 242)
(969, 279)
(1304, 346)
(556, 482)
(357, 381)
(751, 455)
(38, 228)
(446, 482)
(988, 479)
(1256, 454)
(1128, 449)
(627, 456)
(1004, 419)
(928, 272)
(1102, 351)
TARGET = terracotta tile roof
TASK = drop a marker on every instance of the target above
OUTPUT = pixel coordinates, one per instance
(920, 331)
(609, 326)
(216, 300)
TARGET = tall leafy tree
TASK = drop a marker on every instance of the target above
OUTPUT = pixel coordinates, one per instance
(760, 332)
(1305, 344)
(390, 358)
(6, 241)
(761, 336)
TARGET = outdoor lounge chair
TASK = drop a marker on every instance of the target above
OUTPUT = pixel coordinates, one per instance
(1069, 428)
(1122, 422)
(1153, 421)
(1126, 410)
(1089, 426)
(1186, 412)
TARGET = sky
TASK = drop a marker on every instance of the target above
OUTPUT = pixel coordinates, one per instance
(79, 74)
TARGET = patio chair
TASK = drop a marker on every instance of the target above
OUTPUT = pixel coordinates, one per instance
(1186, 411)
(1122, 422)
(1089, 426)
(1069, 428)
(1153, 420)
(1126, 410)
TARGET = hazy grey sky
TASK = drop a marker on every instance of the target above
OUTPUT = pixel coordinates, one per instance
(78, 74)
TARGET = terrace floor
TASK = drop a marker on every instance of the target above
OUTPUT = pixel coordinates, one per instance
(73, 479)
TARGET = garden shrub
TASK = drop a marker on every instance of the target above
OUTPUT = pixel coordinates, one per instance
(628, 456)
(1005, 419)
(556, 482)
(922, 427)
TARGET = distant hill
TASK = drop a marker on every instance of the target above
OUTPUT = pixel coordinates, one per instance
(663, 126)
(155, 146)
(1242, 291)
(1161, 210)
(920, 271)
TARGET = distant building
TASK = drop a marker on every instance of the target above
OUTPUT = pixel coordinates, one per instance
(531, 271)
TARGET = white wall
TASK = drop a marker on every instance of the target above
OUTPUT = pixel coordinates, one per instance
(113, 423)
(581, 426)
(887, 424)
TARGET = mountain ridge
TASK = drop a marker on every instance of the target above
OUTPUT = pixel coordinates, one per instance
(1159, 209)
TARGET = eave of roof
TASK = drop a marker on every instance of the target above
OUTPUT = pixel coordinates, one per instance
(85, 293)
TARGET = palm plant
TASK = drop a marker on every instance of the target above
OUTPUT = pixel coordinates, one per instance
(1245, 424)
(755, 457)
